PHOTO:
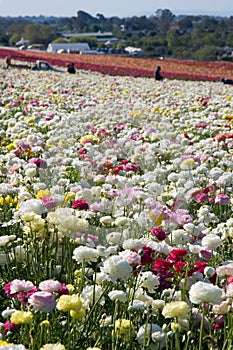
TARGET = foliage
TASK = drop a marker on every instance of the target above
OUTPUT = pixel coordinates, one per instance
(140, 31)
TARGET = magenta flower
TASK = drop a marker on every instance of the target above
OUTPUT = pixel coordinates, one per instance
(9, 326)
(159, 233)
(201, 198)
(80, 204)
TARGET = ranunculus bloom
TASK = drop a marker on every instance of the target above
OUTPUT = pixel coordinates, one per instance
(176, 255)
(69, 302)
(80, 204)
(222, 199)
(147, 256)
(10, 326)
(22, 317)
(178, 309)
(50, 286)
(42, 301)
(202, 292)
(201, 198)
(159, 233)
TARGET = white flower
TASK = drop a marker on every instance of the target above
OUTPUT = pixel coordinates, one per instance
(211, 242)
(132, 244)
(86, 254)
(13, 347)
(106, 220)
(149, 281)
(34, 205)
(121, 221)
(202, 292)
(93, 293)
(115, 238)
(56, 346)
(137, 305)
(69, 225)
(117, 295)
(5, 240)
(151, 332)
(117, 268)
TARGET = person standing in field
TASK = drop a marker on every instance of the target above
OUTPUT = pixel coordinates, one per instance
(158, 75)
(8, 61)
(71, 69)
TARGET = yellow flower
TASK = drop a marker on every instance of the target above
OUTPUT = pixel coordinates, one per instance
(43, 193)
(157, 219)
(175, 327)
(122, 327)
(45, 324)
(77, 315)
(10, 147)
(178, 309)
(2, 343)
(70, 196)
(22, 317)
(69, 302)
(89, 138)
(188, 163)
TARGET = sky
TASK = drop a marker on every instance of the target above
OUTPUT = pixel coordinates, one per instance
(110, 8)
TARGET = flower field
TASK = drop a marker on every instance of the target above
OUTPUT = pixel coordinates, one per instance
(115, 210)
(126, 66)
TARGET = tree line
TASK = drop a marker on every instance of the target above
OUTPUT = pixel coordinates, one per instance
(161, 34)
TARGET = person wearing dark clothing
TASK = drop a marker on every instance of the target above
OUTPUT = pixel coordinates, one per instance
(158, 75)
(227, 81)
(70, 68)
(8, 61)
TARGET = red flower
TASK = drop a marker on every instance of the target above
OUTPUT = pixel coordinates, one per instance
(147, 256)
(180, 266)
(199, 267)
(176, 255)
(161, 265)
(80, 204)
(159, 233)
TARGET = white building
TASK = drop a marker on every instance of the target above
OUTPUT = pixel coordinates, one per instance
(68, 47)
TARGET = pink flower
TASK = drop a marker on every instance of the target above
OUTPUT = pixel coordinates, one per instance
(80, 204)
(9, 326)
(50, 286)
(201, 198)
(97, 207)
(222, 199)
(42, 301)
(48, 202)
(16, 286)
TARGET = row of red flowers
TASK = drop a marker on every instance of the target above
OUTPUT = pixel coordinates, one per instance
(138, 67)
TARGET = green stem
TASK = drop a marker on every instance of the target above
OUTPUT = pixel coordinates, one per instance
(202, 327)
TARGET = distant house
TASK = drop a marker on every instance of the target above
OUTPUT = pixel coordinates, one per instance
(68, 47)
